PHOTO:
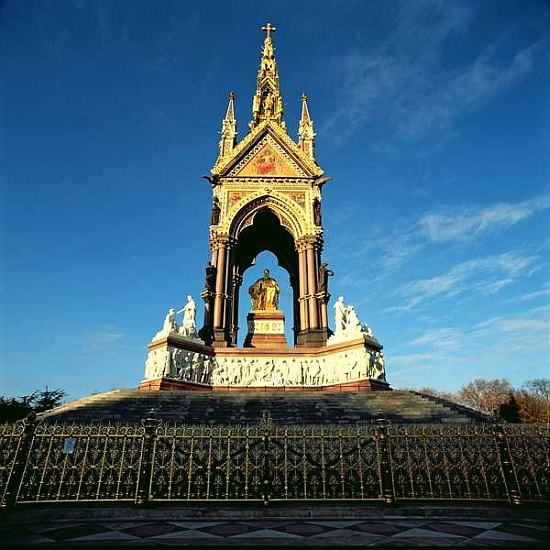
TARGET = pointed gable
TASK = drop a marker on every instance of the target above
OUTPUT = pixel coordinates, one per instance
(267, 151)
(267, 159)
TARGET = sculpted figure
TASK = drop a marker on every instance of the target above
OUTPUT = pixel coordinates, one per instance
(256, 104)
(216, 210)
(169, 324)
(324, 274)
(219, 375)
(267, 372)
(379, 366)
(268, 104)
(279, 106)
(277, 378)
(339, 316)
(210, 277)
(206, 370)
(265, 293)
(189, 327)
(285, 372)
(367, 330)
(167, 368)
(353, 324)
(317, 212)
(234, 372)
(316, 373)
(197, 367)
(176, 362)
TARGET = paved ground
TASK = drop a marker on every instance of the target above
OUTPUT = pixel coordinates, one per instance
(376, 531)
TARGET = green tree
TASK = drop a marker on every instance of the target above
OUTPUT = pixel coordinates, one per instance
(16, 408)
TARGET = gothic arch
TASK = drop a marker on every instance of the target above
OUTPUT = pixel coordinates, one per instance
(290, 215)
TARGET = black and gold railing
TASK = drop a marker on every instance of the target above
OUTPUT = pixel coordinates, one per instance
(155, 462)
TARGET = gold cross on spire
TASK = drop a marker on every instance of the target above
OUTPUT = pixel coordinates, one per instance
(269, 28)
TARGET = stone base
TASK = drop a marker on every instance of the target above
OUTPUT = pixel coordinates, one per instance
(169, 384)
(176, 362)
(312, 338)
(266, 329)
(220, 339)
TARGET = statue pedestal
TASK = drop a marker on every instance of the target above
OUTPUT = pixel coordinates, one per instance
(266, 329)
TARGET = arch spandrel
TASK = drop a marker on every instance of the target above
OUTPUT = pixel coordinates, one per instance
(289, 213)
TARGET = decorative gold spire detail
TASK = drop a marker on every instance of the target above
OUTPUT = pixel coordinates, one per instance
(228, 134)
(306, 135)
(267, 103)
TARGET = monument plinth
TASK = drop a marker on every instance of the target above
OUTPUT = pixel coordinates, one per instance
(266, 323)
(266, 329)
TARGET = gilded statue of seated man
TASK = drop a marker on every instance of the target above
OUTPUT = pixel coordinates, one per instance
(265, 293)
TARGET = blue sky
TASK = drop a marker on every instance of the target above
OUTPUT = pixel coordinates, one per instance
(432, 118)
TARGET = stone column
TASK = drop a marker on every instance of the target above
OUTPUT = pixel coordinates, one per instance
(323, 295)
(227, 298)
(220, 283)
(312, 287)
(234, 328)
(302, 286)
(324, 313)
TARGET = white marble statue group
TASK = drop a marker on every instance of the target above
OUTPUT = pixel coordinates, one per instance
(347, 325)
(338, 366)
(188, 327)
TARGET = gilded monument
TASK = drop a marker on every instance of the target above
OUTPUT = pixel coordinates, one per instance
(266, 193)
(265, 293)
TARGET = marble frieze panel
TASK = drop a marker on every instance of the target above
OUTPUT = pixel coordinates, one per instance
(172, 358)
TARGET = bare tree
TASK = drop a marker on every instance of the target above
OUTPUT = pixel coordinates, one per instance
(485, 395)
(534, 400)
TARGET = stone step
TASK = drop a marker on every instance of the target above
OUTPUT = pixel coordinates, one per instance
(249, 408)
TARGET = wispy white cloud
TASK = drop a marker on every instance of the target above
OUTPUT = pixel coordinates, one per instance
(468, 223)
(481, 274)
(101, 340)
(393, 246)
(532, 324)
(513, 324)
(406, 80)
(462, 350)
(441, 338)
(543, 292)
(493, 287)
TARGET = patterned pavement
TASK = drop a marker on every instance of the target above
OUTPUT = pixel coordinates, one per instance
(264, 532)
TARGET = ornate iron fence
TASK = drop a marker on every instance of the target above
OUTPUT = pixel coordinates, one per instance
(152, 462)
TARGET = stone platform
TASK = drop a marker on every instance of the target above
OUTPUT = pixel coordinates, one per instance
(235, 407)
(357, 361)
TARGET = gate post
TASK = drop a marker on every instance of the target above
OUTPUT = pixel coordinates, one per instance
(383, 458)
(143, 493)
(267, 427)
(507, 468)
(20, 460)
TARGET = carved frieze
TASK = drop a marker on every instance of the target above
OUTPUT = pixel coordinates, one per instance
(339, 367)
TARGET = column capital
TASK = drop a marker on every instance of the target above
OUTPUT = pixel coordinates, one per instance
(308, 241)
(222, 241)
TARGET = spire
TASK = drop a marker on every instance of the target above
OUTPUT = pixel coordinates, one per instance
(306, 135)
(229, 128)
(267, 103)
